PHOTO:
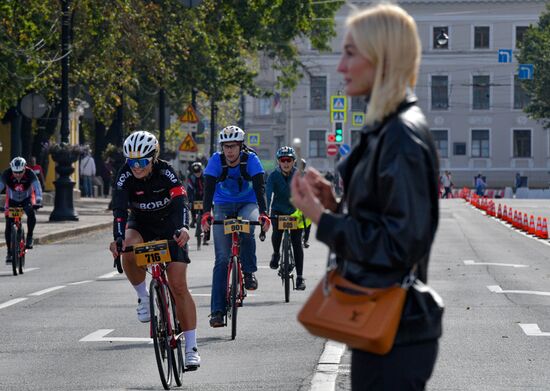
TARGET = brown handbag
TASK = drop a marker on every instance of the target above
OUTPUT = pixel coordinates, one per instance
(363, 318)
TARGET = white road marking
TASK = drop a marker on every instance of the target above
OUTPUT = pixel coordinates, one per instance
(100, 336)
(48, 290)
(80, 282)
(30, 269)
(533, 330)
(109, 275)
(498, 289)
(12, 302)
(325, 375)
(472, 263)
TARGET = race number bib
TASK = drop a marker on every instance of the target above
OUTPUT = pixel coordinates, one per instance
(235, 225)
(152, 252)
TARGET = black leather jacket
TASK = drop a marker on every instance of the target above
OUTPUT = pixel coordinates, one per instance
(388, 215)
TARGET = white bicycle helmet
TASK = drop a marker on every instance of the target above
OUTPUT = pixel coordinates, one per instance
(141, 144)
(18, 164)
(231, 133)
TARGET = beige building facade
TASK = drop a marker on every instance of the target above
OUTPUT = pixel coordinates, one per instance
(468, 88)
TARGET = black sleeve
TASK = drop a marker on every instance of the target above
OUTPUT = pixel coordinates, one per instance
(180, 212)
(258, 183)
(209, 188)
(120, 204)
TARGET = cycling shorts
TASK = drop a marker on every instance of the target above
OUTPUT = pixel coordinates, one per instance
(158, 230)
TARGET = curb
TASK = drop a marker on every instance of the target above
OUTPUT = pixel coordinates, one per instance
(58, 235)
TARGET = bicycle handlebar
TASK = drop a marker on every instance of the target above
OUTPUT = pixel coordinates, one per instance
(262, 232)
(129, 249)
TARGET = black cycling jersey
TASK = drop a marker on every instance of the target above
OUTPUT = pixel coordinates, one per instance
(195, 187)
(160, 196)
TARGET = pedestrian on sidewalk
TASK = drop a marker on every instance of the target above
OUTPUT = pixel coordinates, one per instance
(385, 224)
(87, 172)
(447, 185)
(38, 171)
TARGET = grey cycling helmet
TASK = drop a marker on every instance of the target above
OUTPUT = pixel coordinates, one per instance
(18, 164)
(141, 144)
(231, 133)
(286, 151)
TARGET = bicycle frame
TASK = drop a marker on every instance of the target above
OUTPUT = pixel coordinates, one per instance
(235, 257)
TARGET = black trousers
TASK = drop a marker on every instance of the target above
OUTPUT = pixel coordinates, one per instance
(404, 368)
(295, 239)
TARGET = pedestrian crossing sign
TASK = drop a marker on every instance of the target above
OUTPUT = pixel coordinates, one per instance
(338, 116)
(188, 144)
(338, 103)
(357, 119)
(254, 139)
(189, 116)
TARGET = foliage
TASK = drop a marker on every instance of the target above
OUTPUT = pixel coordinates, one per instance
(67, 152)
(535, 49)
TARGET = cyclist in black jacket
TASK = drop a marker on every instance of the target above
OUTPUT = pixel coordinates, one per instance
(150, 189)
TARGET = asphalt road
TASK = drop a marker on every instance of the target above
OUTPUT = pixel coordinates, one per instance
(495, 282)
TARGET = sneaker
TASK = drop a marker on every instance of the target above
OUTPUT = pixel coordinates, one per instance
(143, 310)
(28, 245)
(216, 319)
(192, 360)
(250, 281)
(300, 284)
(205, 243)
(274, 264)
(8, 259)
(306, 244)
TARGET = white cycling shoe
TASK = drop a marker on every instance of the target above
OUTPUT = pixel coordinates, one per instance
(143, 310)
(192, 360)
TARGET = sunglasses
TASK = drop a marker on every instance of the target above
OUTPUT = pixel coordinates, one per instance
(139, 163)
(286, 160)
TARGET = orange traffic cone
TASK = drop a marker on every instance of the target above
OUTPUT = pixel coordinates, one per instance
(538, 230)
(544, 234)
(499, 212)
(532, 225)
(525, 225)
(504, 214)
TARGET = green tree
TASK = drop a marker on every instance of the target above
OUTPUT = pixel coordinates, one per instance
(535, 49)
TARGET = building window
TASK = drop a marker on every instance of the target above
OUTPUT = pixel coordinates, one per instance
(440, 36)
(520, 33)
(521, 97)
(318, 93)
(278, 140)
(441, 140)
(440, 92)
(317, 146)
(481, 37)
(459, 149)
(264, 105)
(355, 137)
(480, 143)
(358, 103)
(481, 92)
(522, 143)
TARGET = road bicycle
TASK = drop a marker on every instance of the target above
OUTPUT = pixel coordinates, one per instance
(236, 291)
(165, 328)
(17, 240)
(197, 211)
(286, 267)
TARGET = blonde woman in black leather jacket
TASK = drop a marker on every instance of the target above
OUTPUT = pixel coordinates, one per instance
(388, 215)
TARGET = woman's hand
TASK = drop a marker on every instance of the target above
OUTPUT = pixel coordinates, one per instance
(303, 198)
(322, 189)
(114, 248)
(183, 237)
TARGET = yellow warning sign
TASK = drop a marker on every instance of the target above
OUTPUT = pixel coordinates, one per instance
(188, 144)
(189, 116)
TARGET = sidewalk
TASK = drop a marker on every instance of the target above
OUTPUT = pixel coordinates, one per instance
(92, 215)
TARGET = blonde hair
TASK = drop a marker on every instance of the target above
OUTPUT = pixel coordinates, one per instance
(387, 35)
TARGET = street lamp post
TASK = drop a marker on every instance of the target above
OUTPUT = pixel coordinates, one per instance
(64, 156)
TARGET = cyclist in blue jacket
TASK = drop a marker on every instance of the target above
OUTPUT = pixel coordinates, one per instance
(278, 186)
(234, 181)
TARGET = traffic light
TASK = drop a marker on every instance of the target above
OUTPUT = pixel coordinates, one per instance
(331, 138)
(339, 132)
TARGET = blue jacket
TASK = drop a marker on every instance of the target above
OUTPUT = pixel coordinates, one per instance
(278, 185)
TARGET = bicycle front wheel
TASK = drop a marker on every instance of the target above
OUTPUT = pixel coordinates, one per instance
(234, 296)
(178, 359)
(14, 250)
(286, 266)
(158, 301)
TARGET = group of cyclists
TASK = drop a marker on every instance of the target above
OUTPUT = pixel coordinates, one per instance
(150, 202)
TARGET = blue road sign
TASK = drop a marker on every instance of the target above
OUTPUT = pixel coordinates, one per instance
(338, 103)
(344, 149)
(526, 71)
(504, 55)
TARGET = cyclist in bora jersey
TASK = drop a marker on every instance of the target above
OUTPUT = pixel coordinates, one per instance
(234, 180)
(150, 189)
(278, 186)
(22, 191)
